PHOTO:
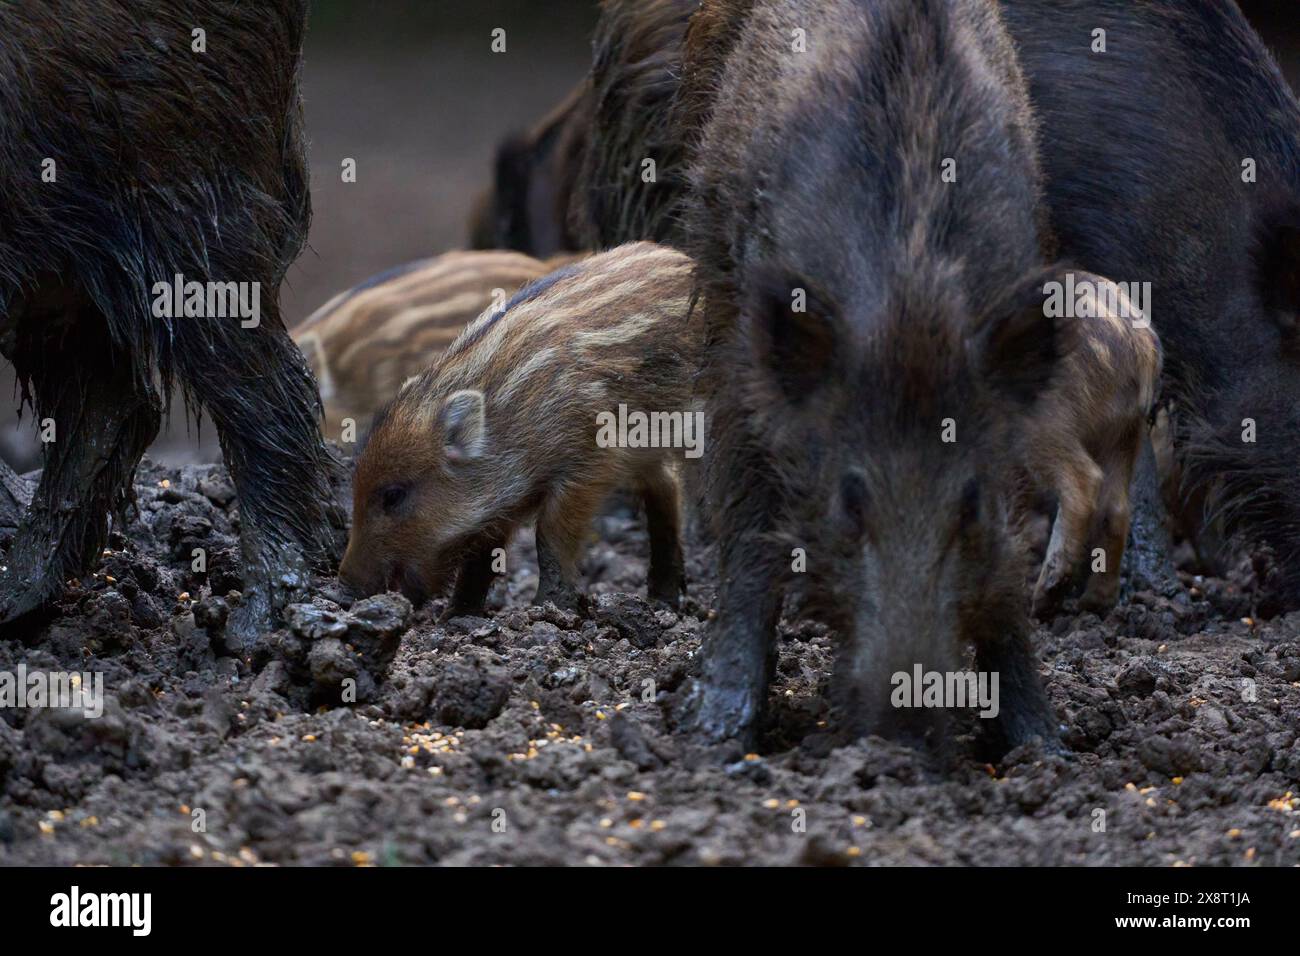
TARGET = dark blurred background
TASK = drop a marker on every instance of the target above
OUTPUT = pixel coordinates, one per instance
(411, 90)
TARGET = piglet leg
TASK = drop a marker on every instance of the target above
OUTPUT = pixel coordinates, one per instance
(667, 575)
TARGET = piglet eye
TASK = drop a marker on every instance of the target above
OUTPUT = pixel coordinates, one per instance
(392, 496)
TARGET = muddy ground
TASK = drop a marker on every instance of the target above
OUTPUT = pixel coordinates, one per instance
(538, 737)
(537, 722)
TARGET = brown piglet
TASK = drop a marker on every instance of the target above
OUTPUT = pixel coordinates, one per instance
(1082, 442)
(366, 341)
(579, 385)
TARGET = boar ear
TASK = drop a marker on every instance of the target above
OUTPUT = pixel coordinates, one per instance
(1020, 343)
(464, 425)
(1278, 264)
(792, 331)
(509, 205)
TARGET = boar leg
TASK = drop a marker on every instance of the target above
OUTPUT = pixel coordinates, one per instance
(739, 653)
(561, 530)
(474, 581)
(1024, 712)
(1078, 489)
(1150, 567)
(105, 413)
(667, 575)
(263, 401)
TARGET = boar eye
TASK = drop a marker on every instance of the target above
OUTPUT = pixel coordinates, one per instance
(853, 500)
(391, 497)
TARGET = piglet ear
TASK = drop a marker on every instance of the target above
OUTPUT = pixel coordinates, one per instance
(464, 425)
(793, 333)
(1020, 343)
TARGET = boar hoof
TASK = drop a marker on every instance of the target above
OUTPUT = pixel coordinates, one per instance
(716, 714)
(17, 603)
(245, 627)
(1030, 729)
(565, 599)
(249, 621)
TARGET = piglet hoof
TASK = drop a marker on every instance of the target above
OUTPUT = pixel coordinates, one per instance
(1098, 604)
(462, 610)
(1047, 599)
(667, 589)
(670, 599)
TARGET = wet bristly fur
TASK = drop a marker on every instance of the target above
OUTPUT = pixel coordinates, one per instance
(575, 181)
(1143, 160)
(503, 429)
(167, 161)
(821, 172)
(634, 79)
(366, 341)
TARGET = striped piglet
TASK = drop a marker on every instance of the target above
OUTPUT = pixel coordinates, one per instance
(363, 343)
(579, 385)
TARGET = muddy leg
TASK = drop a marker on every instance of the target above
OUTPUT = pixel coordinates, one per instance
(739, 652)
(15, 495)
(1078, 500)
(263, 402)
(561, 530)
(105, 413)
(1024, 712)
(1149, 566)
(474, 581)
(667, 576)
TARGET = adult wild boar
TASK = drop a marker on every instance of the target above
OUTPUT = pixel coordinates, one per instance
(139, 155)
(872, 266)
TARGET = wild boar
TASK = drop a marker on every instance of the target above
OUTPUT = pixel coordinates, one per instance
(864, 212)
(536, 412)
(527, 207)
(153, 191)
(633, 171)
(580, 179)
